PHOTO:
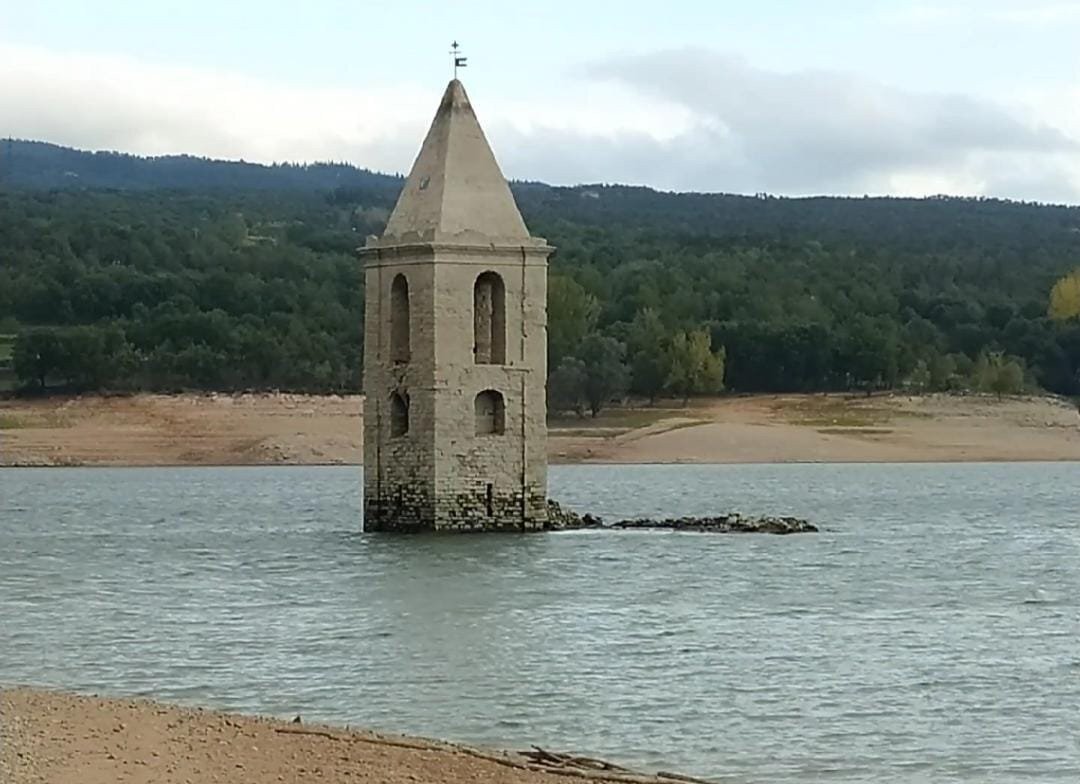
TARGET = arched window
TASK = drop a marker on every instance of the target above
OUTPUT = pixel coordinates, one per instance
(490, 413)
(399, 320)
(489, 320)
(399, 414)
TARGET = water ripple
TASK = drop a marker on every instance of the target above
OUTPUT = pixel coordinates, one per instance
(927, 634)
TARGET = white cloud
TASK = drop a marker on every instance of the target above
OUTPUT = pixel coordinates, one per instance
(814, 131)
(1036, 14)
(1007, 12)
(106, 102)
(117, 103)
(675, 120)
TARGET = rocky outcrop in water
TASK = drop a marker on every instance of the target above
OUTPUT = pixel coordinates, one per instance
(564, 519)
(561, 518)
(724, 524)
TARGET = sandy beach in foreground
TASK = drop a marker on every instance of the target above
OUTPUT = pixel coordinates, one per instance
(56, 738)
(285, 429)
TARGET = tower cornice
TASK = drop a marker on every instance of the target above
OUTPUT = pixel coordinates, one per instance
(435, 252)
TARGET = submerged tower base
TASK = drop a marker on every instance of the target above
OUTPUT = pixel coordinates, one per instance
(463, 513)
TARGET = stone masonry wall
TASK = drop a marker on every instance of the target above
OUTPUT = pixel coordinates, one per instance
(442, 475)
(514, 462)
(398, 470)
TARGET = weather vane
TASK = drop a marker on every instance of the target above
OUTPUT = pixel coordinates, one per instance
(459, 60)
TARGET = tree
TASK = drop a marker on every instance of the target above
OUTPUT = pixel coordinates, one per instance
(997, 373)
(647, 347)
(942, 369)
(572, 314)
(695, 369)
(85, 357)
(38, 353)
(606, 374)
(566, 386)
(1009, 379)
(1065, 298)
(981, 375)
(919, 378)
(870, 353)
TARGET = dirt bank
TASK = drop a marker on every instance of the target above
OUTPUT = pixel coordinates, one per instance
(306, 430)
(49, 738)
(840, 428)
(151, 430)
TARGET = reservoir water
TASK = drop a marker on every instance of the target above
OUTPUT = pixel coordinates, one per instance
(930, 632)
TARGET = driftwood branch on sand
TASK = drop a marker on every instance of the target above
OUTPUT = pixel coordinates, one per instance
(544, 757)
(536, 759)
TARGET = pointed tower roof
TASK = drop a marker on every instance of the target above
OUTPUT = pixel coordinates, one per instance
(455, 193)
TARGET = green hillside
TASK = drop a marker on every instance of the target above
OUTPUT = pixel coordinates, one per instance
(131, 273)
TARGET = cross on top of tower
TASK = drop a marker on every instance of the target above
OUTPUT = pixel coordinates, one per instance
(458, 60)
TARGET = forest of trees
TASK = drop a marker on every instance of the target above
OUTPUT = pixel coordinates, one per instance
(122, 273)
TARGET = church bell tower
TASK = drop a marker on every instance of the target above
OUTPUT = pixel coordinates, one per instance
(455, 346)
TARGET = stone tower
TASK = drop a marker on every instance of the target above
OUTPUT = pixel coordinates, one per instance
(455, 346)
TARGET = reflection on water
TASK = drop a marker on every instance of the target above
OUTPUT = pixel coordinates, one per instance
(930, 632)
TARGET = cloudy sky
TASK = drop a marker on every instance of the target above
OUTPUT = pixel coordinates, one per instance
(793, 97)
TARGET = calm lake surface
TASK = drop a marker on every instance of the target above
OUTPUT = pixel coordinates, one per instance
(931, 632)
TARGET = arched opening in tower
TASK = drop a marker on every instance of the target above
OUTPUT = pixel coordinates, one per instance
(399, 414)
(489, 320)
(490, 413)
(399, 319)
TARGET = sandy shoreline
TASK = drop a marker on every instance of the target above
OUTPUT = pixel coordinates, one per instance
(284, 429)
(58, 738)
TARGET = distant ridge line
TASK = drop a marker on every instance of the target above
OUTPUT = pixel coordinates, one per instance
(46, 165)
